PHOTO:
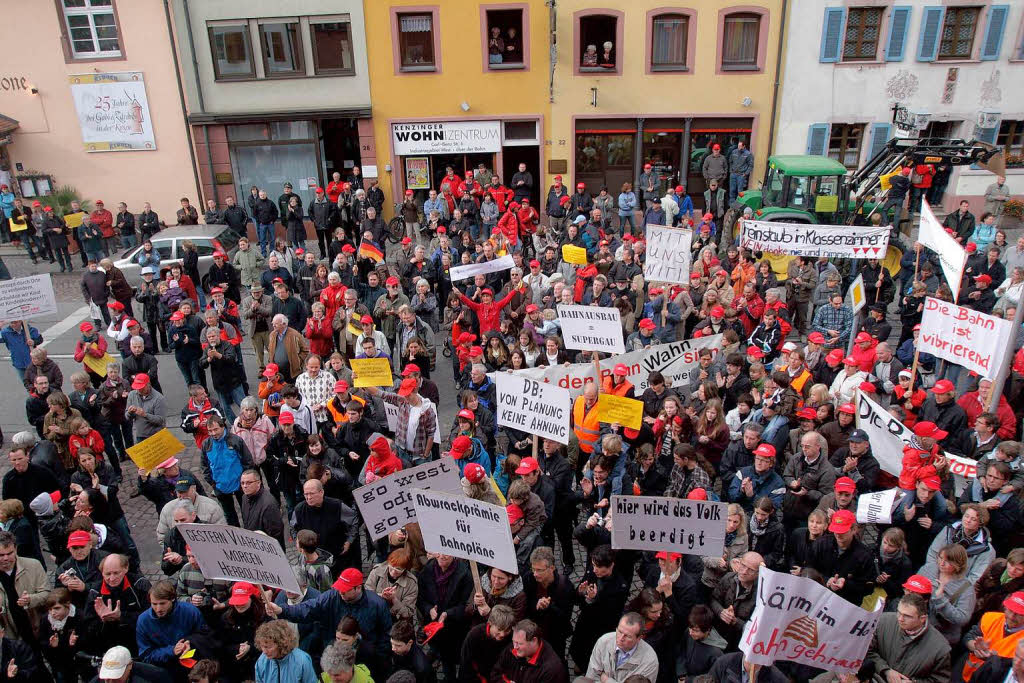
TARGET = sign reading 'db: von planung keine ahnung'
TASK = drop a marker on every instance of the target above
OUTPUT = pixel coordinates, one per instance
(533, 407)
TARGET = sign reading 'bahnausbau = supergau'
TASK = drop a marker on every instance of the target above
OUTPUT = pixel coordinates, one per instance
(591, 328)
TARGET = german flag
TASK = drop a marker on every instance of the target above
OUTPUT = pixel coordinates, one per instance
(371, 252)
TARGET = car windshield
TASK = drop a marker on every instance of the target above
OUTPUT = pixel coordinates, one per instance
(228, 239)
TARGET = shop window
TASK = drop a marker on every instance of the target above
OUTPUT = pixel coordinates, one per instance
(416, 41)
(505, 47)
(35, 185)
(958, 28)
(844, 143)
(669, 42)
(92, 28)
(232, 52)
(740, 41)
(332, 47)
(282, 49)
(862, 29)
(1011, 139)
(520, 133)
(598, 51)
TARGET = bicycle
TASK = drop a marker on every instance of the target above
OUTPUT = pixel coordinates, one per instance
(396, 226)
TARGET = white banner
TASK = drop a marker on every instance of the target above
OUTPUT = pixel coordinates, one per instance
(799, 620)
(446, 137)
(833, 241)
(113, 111)
(25, 298)
(533, 407)
(691, 527)
(591, 328)
(497, 265)
(386, 504)
(466, 528)
(668, 255)
(963, 336)
(391, 413)
(886, 434)
(233, 554)
(876, 507)
(952, 257)
(963, 470)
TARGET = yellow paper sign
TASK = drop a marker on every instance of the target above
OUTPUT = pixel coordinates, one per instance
(154, 450)
(17, 226)
(826, 203)
(371, 372)
(98, 365)
(574, 254)
(73, 220)
(355, 327)
(628, 412)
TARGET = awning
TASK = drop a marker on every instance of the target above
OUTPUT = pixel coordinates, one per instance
(262, 117)
(7, 125)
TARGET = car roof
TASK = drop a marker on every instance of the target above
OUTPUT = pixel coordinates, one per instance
(181, 232)
(803, 165)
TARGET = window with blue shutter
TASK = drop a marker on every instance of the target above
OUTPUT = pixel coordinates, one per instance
(994, 29)
(832, 34)
(931, 25)
(817, 139)
(880, 133)
(988, 135)
(899, 23)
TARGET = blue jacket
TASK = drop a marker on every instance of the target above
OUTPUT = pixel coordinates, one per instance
(295, 667)
(627, 203)
(685, 207)
(156, 637)
(17, 346)
(7, 203)
(153, 259)
(766, 484)
(369, 610)
(224, 460)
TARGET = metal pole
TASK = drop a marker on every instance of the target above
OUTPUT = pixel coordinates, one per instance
(684, 160)
(1004, 368)
(638, 160)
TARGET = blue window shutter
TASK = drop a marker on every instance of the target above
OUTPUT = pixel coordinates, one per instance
(832, 34)
(989, 134)
(880, 133)
(931, 26)
(899, 22)
(994, 29)
(817, 139)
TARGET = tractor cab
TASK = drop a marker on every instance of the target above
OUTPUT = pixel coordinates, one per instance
(806, 187)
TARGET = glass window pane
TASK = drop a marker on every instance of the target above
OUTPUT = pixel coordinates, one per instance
(739, 42)
(620, 150)
(589, 151)
(106, 32)
(74, 3)
(110, 45)
(416, 39)
(103, 19)
(78, 20)
(100, 3)
(281, 51)
(669, 48)
(332, 46)
(290, 130)
(245, 132)
(231, 54)
(270, 166)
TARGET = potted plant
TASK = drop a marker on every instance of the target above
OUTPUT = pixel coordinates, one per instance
(1012, 217)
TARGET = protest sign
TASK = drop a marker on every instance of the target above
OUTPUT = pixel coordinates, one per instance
(628, 412)
(485, 268)
(97, 365)
(386, 504)
(831, 241)
(799, 620)
(233, 554)
(150, 452)
(371, 372)
(668, 255)
(877, 507)
(692, 527)
(855, 295)
(74, 220)
(25, 298)
(591, 328)
(391, 414)
(466, 528)
(886, 434)
(963, 336)
(18, 224)
(963, 471)
(533, 407)
(952, 257)
(573, 254)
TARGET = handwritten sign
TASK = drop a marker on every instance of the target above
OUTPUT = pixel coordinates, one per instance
(386, 504)
(151, 452)
(97, 365)
(655, 523)
(533, 407)
(466, 528)
(877, 507)
(628, 412)
(233, 554)
(573, 254)
(668, 255)
(591, 328)
(371, 372)
(25, 298)
(832, 241)
(963, 336)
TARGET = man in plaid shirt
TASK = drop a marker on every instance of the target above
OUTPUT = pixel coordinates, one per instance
(417, 422)
(835, 321)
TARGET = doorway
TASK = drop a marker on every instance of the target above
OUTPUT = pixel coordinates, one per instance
(340, 140)
(526, 154)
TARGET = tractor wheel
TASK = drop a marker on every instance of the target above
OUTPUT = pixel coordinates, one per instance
(727, 229)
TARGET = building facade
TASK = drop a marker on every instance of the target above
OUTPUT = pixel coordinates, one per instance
(274, 99)
(88, 99)
(848, 63)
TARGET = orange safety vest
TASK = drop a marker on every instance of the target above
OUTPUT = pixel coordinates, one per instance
(618, 389)
(586, 425)
(992, 627)
(799, 381)
(338, 413)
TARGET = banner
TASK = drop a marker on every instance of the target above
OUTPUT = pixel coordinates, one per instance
(675, 361)
(963, 336)
(573, 254)
(25, 298)
(233, 554)
(655, 523)
(386, 504)
(466, 528)
(668, 255)
(113, 111)
(371, 372)
(832, 241)
(150, 452)
(591, 328)
(533, 407)
(952, 257)
(628, 412)
(497, 265)
(877, 507)
(97, 365)
(799, 620)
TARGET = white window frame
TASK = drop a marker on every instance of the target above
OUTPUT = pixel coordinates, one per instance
(91, 12)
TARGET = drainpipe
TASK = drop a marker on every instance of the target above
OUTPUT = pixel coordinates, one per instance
(778, 77)
(209, 163)
(181, 98)
(638, 154)
(684, 160)
(553, 48)
(195, 60)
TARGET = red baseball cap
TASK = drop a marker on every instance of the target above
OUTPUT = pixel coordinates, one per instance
(916, 583)
(487, 290)
(349, 579)
(77, 539)
(697, 494)
(407, 386)
(971, 247)
(391, 281)
(532, 308)
(467, 414)
(515, 513)
(807, 414)
(755, 352)
(534, 263)
(341, 386)
(271, 370)
(286, 419)
(984, 277)
(930, 430)
(862, 337)
(116, 305)
(467, 338)
(943, 386)
(679, 189)
(580, 186)
(1015, 603)
(671, 557)
(655, 291)
(868, 387)
(216, 290)
(646, 324)
(407, 240)
(460, 446)
(816, 338)
(348, 249)
(765, 450)
(476, 351)
(845, 485)
(319, 190)
(366, 320)
(716, 146)
(410, 370)
(242, 592)
(527, 465)
(621, 370)
(842, 521)
(141, 380)
(717, 311)
(474, 473)
(88, 326)
(848, 408)
(849, 360)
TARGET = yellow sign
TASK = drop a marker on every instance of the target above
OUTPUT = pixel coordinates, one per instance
(355, 326)
(98, 365)
(17, 226)
(857, 296)
(825, 203)
(371, 372)
(628, 412)
(574, 254)
(885, 181)
(73, 220)
(154, 450)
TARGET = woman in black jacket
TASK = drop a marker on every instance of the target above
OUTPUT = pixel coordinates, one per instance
(445, 586)
(660, 630)
(243, 614)
(767, 536)
(26, 539)
(644, 476)
(798, 549)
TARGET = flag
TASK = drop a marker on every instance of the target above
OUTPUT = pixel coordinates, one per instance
(371, 252)
(952, 256)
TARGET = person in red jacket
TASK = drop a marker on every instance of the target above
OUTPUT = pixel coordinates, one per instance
(453, 182)
(319, 331)
(471, 186)
(508, 224)
(104, 220)
(488, 311)
(865, 351)
(977, 402)
(382, 461)
(197, 412)
(921, 180)
(500, 193)
(528, 217)
(333, 295)
(91, 344)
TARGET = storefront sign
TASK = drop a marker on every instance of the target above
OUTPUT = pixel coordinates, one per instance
(833, 241)
(963, 336)
(113, 111)
(446, 137)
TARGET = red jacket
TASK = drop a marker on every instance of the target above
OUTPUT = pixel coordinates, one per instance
(191, 413)
(927, 172)
(382, 467)
(865, 358)
(83, 347)
(508, 225)
(93, 441)
(973, 407)
(750, 315)
(528, 219)
(104, 220)
(502, 196)
(321, 336)
(334, 190)
(489, 315)
(333, 298)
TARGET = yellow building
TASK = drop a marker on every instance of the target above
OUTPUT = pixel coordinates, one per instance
(446, 92)
(641, 82)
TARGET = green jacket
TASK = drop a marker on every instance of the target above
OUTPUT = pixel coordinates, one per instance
(249, 264)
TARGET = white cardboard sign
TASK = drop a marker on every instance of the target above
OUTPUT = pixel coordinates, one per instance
(386, 504)
(494, 266)
(466, 528)
(233, 554)
(533, 407)
(668, 255)
(876, 507)
(963, 336)
(591, 328)
(656, 523)
(25, 298)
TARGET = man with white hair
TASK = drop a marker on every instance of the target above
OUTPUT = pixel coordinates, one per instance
(886, 371)
(140, 362)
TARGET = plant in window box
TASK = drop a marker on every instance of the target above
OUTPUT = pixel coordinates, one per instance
(1015, 161)
(1014, 208)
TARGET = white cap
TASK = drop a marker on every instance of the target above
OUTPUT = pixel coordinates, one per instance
(115, 662)
(147, 270)
(789, 346)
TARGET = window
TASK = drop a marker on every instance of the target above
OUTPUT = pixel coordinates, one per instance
(416, 42)
(844, 143)
(92, 28)
(740, 39)
(958, 29)
(862, 29)
(332, 47)
(505, 48)
(1011, 139)
(232, 52)
(282, 50)
(668, 48)
(520, 133)
(942, 130)
(597, 42)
